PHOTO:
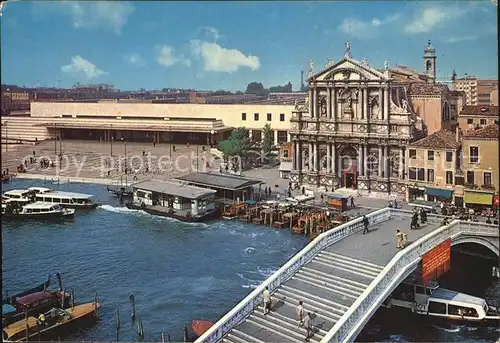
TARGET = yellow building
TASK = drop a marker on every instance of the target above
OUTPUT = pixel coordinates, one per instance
(480, 166)
(473, 117)
(432, 167)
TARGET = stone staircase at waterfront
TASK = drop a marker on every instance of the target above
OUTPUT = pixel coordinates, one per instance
(327, 286)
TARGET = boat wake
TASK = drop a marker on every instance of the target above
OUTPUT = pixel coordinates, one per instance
(249, 283)
(266, 272)
(119, 209)
(250, 250)
(455, 329)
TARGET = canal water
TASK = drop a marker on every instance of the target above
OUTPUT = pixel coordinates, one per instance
(176, 271)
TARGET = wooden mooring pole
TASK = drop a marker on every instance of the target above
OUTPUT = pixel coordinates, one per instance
(132, 302)
(185, 334)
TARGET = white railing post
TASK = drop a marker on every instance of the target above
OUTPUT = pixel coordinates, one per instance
(251, 301)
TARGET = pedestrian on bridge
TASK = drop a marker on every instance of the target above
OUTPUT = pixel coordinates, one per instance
(365, 223)
(267, 301)
(308, 326)
(399, 239)
(300, 313)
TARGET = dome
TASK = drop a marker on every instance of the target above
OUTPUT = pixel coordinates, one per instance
(429, 49)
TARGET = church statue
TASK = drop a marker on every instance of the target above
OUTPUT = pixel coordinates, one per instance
(349, 102)
(405, 105)
(311, 67)
(347, 49)
(329, 63)
(296, 104)
(364, 62)
(386, 64)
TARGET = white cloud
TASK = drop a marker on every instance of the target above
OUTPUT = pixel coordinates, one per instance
(364, 29)
(456, 39)
(111, 15)
(167, 56)
(135, 60)
(432, 17)
(212, 32)
(79, 64)
(217, 58)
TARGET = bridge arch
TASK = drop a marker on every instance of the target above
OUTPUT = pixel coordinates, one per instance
(484, 241)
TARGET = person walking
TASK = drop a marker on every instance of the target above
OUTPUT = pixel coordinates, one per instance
(352, 202)
(308, 326)
(399, 239)
(300, 313)
(267, 301)
(365, 223)
(322, 199)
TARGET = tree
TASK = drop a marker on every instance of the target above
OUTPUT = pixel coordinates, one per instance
(268, 142)
(281, 89)
(237, 144)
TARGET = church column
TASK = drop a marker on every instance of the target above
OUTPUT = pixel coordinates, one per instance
(386, 104)
(329, 103)
(299, 156)
(365, 160)
(380, 102)
(276, 137)
(334, 102)
(315, 103)
(386, 161)
(310, 156)
(360, 160)
(380, 163)
(334, 169)
(400, 165)
(328, 157)
(315, 157)
(295, 156)
(365, 103)
(311, 101)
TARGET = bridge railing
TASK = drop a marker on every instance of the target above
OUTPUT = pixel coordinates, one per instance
(405, 261)
(254, 299)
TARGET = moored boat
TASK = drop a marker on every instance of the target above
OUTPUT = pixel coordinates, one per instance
(68, 199)
(121, 191)
(56, 323)
(21, 196)
(12, 298)
(37, 211)
(200, 326)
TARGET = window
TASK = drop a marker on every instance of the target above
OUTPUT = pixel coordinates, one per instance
(285, 153)
(412, 173)
(470, 177)
(487, 178)
(243, 116)
(462, 311)
(282, 137)
(435, 307)
(413, 153)
(282, 116)
(470, 121)
(256, 116)
(269, 117)
(430, 155)
(449, 178)
(453, 107)
(421, 174)
(449, 156)
(482, 122)
(430, 175)
(473, 154)
(459, 180)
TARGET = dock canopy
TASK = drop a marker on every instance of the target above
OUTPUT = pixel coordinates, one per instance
(337, 195)
(220, 181)
(173, 188)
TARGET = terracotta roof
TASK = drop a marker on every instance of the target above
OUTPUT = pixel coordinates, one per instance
(419, 88)
(490, 131)
(479, 110)
(438, 140)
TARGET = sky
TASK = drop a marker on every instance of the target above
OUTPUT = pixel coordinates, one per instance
(226, 45)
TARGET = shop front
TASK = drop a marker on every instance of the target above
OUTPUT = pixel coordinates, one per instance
(439, 194)
(416, 193)
(478, 199)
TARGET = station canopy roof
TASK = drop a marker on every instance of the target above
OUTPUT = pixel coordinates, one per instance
(173, 188)
(220, 181)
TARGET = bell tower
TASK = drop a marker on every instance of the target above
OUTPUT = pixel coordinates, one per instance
(430, 63)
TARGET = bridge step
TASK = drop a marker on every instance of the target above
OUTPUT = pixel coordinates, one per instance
(291, 297)
(323, 300)
(351, 263)
(338, 294)
(321, 277)
(270, 329)
(357, 261)
(318, 311)
(324, 285)
(227, 339)
(243, 337)
(284, 327)
(293, 322)
(340, 265)
(342, 279)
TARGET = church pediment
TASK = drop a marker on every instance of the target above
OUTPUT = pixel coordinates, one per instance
(348, 69)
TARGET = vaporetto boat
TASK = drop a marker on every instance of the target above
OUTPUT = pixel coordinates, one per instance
(36, 210)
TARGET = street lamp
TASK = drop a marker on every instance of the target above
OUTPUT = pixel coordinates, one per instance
(111, 145)
(212, 138)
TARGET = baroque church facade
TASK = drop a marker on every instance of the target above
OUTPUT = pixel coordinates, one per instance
(355, 127)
